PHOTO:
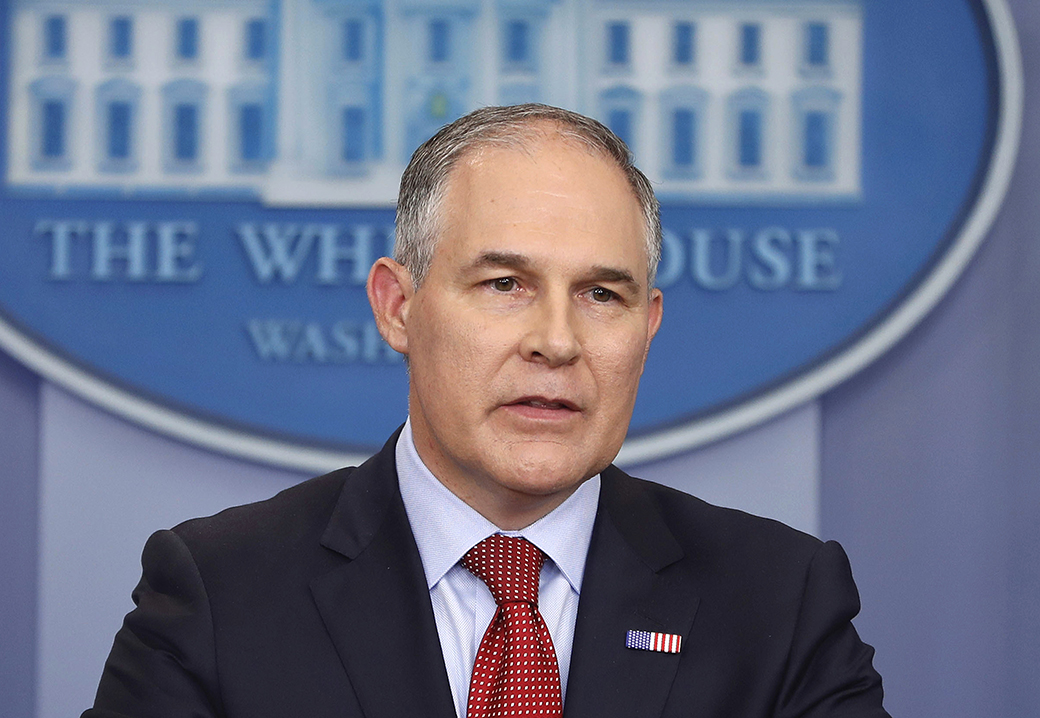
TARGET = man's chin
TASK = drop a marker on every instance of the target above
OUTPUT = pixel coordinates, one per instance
(554, 469)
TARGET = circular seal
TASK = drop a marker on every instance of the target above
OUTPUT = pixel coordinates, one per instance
(189, 227)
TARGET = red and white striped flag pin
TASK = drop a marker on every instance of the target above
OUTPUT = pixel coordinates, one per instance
(653, 641)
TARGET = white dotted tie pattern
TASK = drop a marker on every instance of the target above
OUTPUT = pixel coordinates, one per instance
(515, 673)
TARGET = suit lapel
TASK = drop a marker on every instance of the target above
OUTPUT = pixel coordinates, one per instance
(376, 606)
(632, 581)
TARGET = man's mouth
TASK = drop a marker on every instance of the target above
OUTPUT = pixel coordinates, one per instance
(546, 403)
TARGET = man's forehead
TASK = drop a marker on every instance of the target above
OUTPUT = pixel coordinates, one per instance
(471, 254)
(500, 196)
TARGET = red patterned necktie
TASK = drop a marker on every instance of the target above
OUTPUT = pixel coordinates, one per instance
(516, 671)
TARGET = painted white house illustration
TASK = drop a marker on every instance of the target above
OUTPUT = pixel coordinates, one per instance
(320, 102)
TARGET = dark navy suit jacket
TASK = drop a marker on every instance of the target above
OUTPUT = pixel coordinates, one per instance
(314, 604)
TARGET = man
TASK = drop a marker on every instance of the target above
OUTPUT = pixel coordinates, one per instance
(522, 296)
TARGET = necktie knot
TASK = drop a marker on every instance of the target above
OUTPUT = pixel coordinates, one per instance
(510, 566)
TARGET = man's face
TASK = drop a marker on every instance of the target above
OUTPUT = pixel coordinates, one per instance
(528, 336)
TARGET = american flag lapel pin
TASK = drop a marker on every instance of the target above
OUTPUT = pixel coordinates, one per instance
(653, 641)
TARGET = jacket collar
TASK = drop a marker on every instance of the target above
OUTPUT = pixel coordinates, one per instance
(634, 580)
(376, 606)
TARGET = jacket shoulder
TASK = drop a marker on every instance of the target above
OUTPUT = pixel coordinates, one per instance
(265, 530)
(715, 538)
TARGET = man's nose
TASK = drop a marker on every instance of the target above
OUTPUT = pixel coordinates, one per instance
(551, 335)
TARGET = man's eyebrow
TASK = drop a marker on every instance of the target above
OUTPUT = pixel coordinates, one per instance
(613, 275)
(509, 260)
(520, 262)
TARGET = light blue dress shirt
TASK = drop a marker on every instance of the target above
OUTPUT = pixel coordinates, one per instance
(445, 528)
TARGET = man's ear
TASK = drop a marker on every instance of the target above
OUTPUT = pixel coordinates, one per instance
(654, 314)
(390, 292)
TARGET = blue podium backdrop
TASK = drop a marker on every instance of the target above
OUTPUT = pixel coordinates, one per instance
(193, 196)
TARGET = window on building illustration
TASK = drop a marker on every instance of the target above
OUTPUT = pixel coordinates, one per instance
(353, 134)
(439, 38)
(50, 129)
(53, 130)
(118, 130)
(684, 50)
(438, 106)
(684, 138)
(353, 40)
(250, 132)
(817, 45)
(256, 39)
(618, 43)
(188, 38)
(55, 40)
(50, 134)
(116, 102)
(815, 117)
(749, 142)
(747, 133)
(619, 109)
(250, 127)
(121, 38)
(186, 132)
(620, 123)
(518, 41)
(682, 113)
(816, 155)
(750, 44)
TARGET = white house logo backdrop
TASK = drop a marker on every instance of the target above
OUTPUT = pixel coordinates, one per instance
(193, 193)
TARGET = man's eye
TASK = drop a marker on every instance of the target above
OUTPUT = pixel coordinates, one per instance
(599, 294)
(504, 284)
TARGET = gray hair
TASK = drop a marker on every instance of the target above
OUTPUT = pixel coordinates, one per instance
(425, 180)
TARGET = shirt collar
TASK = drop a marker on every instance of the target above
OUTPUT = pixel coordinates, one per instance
(445, 527)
